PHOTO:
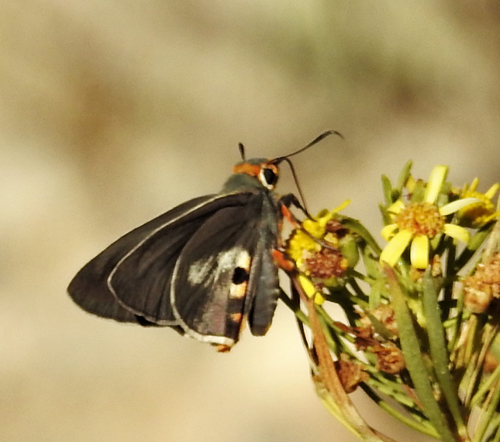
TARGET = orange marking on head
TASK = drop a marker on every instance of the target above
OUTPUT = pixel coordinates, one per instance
(248, 169)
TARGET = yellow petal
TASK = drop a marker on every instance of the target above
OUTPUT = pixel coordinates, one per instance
(410, 184)
(473, 185)
(436, 180)
(457, 232)
(307, 286)
(396, 207)
(419, 252)
(319, 299)
(388, 231)
(457, 205)
(492, 190)
(396, 246)
(342, 206)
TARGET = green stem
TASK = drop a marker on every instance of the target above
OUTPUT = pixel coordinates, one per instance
(419, 426)
(485, 387)
(486, 417)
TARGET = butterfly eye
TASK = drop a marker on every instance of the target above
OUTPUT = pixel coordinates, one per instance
(269, 177)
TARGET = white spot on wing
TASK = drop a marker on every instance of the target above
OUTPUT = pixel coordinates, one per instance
(200, 271)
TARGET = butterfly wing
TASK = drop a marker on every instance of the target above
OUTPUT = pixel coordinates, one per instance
(90, 289)
(202, 268)
(205, 287)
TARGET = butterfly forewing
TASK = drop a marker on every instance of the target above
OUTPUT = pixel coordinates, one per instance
(142, 279)
(89, 288)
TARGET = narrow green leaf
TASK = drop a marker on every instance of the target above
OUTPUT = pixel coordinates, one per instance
(356, 227)
(387, 190)
(475, 243)
(403, 176)
(419, 426)
(414, 361)
(375, 294)
(386, 219)
(418, 193)
(487, 414)
(439, 352)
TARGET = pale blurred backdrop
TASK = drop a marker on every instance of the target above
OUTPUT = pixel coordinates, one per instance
(112, 112)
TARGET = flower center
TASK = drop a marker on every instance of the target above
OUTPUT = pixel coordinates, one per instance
(421, 219)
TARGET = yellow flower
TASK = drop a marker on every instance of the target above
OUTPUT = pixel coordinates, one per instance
(481, 212)
(301, 245)
(416, 223)
(314, 261)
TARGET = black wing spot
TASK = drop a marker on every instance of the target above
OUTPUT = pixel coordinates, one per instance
(240, 275)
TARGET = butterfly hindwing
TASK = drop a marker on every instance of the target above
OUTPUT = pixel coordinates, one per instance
(263, 285)
(209, 292)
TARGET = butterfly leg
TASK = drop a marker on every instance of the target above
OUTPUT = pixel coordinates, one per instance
(289, 200)
(285, 202)
(282, 261)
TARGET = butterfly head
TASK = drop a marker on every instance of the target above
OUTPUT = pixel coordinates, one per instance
(265, 171)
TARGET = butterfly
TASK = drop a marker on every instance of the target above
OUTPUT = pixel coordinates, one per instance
(204, 268)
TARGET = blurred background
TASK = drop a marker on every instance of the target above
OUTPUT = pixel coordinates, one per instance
(112, 112)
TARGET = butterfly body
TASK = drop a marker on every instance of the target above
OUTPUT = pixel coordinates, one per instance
(202, 268)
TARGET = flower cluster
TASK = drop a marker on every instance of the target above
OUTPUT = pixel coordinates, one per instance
(420, 315)
(320, 251)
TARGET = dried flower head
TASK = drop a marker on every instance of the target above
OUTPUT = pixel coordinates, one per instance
(390, 358)
(350, 373)
(315, 248)
(483, 285)
(325, 264)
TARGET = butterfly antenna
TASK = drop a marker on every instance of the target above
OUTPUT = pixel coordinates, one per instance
(312, 143)
(242, 151)
(296, 180)
(292, 168)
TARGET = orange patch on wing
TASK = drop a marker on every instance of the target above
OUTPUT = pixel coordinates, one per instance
(236, 317)
(238, 291)
(223, 348)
